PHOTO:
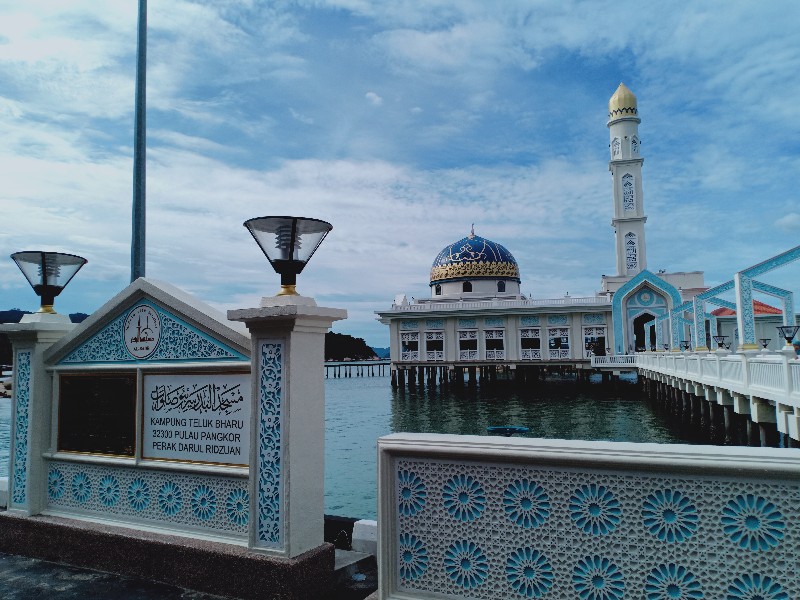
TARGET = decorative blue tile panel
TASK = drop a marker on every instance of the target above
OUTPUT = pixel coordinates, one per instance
(177, 341)
(594, 319)
(557, 320)
(269, 477)
(530, 321)
(178, 501)
(19, 454)
(409, 324)
(467, 323)
(434, 323)
(478, 530)
(494, 321)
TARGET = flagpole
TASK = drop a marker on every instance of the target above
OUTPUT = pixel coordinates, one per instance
(138, 217)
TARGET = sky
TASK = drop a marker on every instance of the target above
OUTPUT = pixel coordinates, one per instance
(402, 123)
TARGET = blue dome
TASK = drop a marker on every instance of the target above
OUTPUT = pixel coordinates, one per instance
(474, 257)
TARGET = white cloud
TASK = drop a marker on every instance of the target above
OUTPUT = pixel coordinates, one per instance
(789, 222)
(373, 98)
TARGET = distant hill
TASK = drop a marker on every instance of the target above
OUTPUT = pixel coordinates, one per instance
(340, 346)
(381, 352)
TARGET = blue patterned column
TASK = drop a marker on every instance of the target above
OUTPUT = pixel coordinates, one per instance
(20, 436)
(659, 335)
(675, 322)
(269, 494)
(699, 306)
(745, 319)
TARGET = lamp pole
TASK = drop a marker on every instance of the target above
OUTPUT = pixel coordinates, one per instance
(138, 217)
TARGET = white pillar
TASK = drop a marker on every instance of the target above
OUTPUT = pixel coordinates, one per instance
(31, 407)
(287, 468)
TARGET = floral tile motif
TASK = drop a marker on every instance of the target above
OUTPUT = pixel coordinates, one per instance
(270, 453)
(480, 531)
(183, 502)
(19, 455)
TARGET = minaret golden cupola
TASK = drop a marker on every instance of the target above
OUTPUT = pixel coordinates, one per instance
(622, 103)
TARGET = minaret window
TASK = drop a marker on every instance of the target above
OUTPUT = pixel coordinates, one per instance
(467, 287)
(631, 253)
(615, 147)
(635, 146)
(501, 286)
(437, 290)
(628, 192)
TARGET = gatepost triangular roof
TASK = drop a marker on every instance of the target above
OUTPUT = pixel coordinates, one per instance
(191, 330)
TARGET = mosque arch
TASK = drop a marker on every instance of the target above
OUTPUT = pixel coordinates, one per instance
(466, 286)
(626, 306)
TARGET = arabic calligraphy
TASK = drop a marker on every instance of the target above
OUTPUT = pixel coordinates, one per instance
(142, 331)
(210, 397)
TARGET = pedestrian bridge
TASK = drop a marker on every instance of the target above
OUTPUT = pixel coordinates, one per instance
(764, 386)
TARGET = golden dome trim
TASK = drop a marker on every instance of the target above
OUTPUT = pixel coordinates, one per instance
(470, 270)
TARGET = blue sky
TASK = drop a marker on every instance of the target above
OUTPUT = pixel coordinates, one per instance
(401, 123)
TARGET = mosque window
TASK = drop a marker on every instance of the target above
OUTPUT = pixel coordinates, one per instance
(467, 287)
(558, 342)
(495, 346)
(434, 345)
(615, 146)
(631, 253)
(501, 286)
(628, 192)
(409, 346)
(437, 290)
(635, 146)
(468, 345)
(531, 343)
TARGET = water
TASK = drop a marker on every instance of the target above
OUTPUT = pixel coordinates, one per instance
(360, 410)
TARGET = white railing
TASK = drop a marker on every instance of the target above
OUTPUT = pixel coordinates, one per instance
(468, 355)
(531, 354)
(482, 304)
(495, 354)
(557, 354)
(409, 355)
(615, 360)
(478, 517)
(435, 354)
(774, 377)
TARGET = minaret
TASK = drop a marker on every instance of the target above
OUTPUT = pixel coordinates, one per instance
(626, 170)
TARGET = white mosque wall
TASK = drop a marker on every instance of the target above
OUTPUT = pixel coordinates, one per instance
(481, 288)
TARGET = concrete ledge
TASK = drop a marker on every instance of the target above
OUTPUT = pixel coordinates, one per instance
(211, 567)
(365, 537)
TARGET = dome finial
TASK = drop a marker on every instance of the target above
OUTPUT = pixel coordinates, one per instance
(622, 103)
(472, 231)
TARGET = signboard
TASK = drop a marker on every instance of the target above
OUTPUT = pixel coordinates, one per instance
(202, 417)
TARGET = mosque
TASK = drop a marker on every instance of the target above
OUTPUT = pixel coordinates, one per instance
(477, 317)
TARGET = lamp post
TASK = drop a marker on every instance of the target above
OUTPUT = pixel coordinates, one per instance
(788, 332)
(764, 342)
(287, 334)
(288, 243)
(48, 273)
(684, 345)
(720, 340)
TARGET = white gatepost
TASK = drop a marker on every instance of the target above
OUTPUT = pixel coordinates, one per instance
(287, 470)
(30, 405)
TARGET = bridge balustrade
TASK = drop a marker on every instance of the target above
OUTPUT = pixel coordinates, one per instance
(479, 518)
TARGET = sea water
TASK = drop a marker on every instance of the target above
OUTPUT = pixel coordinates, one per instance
(359, 410)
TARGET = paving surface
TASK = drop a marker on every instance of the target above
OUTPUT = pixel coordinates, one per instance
(27, 578)
(24, 578)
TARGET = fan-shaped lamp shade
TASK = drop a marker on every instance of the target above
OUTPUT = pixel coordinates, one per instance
(288, 243)
(48, 273)
(788, 332)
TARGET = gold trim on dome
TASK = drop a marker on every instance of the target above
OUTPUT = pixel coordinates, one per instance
(474, 269)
